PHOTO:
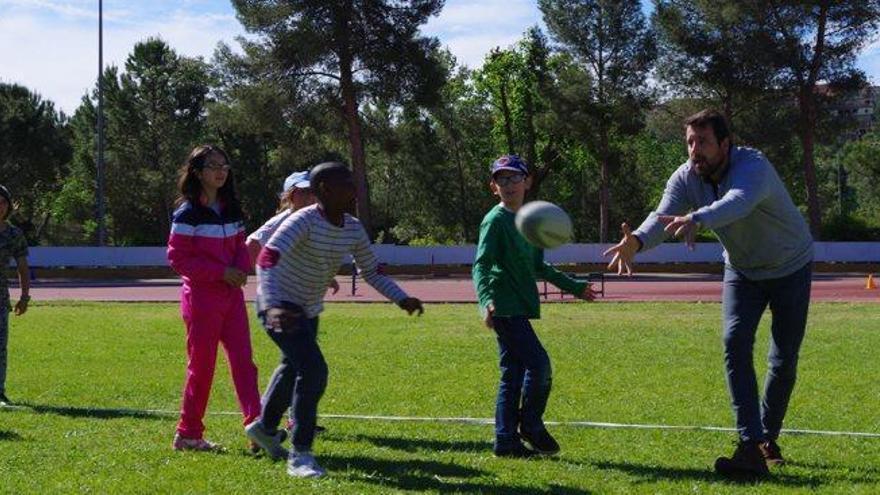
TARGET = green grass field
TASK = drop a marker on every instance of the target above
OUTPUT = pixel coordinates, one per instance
(87, 369)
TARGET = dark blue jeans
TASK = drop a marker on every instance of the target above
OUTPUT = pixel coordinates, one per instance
(298, 382)
(526, 380)
(743, 301)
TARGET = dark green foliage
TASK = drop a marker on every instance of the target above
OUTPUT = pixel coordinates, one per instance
(34, 152)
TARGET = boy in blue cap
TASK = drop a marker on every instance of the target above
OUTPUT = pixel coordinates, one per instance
(505, 274)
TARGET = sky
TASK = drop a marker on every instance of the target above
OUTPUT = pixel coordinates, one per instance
(50, 46)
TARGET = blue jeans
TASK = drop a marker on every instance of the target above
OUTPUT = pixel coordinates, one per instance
(743, 301)
(298, 382)
(4, 342)
(526, 380)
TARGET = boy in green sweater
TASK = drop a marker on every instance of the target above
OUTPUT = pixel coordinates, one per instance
(505, 274)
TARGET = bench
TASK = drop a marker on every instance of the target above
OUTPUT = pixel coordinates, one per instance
(592, 278)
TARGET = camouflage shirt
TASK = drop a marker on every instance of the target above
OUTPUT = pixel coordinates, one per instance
(13, 245)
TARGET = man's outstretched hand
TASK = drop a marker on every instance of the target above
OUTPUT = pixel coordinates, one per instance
(624, 251)
(682, 227)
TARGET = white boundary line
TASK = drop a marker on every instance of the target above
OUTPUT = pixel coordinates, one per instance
(471, 421)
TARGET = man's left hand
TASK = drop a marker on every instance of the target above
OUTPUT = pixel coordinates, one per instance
(682, 227)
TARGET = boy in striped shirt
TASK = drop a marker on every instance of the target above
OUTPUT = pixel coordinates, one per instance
(295, 266)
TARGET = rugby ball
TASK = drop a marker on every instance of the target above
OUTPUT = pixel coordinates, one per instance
(544, 224)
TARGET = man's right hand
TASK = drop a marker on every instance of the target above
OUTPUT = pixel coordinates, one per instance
(624, 251)
(282, 320)
(234, 277)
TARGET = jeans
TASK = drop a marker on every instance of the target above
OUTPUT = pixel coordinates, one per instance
(4, 342)
(526, 379)
(299, 380)
(743, 303)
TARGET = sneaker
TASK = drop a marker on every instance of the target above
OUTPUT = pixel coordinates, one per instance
(196, 444)
(747, 460)
(4, 401)
(772, 453)
(304, 465)
(270, 442)
(516, 450)
(541, 441)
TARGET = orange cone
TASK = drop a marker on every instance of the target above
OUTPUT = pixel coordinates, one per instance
(869, 284)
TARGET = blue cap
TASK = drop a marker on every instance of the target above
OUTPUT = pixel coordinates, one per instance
(299, 180)
(510, 162)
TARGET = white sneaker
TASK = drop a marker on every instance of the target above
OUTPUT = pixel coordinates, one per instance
(304, 465)
(196, 444)
(270, 443)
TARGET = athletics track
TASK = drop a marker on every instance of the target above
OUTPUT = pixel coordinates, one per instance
(652, 287)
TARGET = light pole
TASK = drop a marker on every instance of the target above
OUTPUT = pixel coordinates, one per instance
(102, 234)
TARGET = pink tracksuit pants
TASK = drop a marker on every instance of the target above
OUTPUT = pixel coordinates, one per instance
(215, 314)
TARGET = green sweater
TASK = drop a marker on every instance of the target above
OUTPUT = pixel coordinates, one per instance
(507, 267)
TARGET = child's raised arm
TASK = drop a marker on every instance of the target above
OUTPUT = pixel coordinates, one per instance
(367, 264)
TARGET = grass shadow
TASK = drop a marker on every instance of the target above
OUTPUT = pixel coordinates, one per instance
(10, 436)
(653, 474)
(840, 472)
(416, 444)
(90, 412)
(426, 475)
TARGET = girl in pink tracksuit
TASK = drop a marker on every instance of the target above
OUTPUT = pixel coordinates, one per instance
(207, 249)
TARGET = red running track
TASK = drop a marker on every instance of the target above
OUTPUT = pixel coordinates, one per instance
(655, 287)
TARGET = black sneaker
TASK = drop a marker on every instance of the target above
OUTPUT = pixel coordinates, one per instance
(4, 401)
(514, 450)
(541, 441)
(747, 461)
(772, 453)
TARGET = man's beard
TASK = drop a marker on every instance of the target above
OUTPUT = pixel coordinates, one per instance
(704, 168)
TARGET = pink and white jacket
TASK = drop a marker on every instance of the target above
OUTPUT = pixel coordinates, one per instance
(204, 243)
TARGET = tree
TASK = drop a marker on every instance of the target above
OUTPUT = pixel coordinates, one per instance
(269, 128)
(349, 51)
(786, 46)
(612, 40)
(34, 152)
(155, 114)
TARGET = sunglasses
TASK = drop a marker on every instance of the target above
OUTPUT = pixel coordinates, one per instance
(509, 179)
(217, 167)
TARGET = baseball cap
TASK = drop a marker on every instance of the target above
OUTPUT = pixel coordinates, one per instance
(299, 180)
(6, 194)
(510, 162)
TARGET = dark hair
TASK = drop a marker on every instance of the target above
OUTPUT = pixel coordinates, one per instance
(190, 188)
(709, 117)
(323, 172)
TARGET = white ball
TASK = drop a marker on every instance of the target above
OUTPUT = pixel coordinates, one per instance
(544, 224)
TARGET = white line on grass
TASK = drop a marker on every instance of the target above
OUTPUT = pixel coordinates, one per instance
(471, 421)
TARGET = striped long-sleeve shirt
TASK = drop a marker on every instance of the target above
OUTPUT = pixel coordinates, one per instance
(305, 253)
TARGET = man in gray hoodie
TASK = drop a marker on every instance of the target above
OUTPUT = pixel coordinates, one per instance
(768, 253)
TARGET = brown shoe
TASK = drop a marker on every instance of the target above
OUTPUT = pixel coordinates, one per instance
(747, 461)
(772, 453)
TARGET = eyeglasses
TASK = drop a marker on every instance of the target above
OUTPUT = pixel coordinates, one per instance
(217, 167)
(509, 179)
